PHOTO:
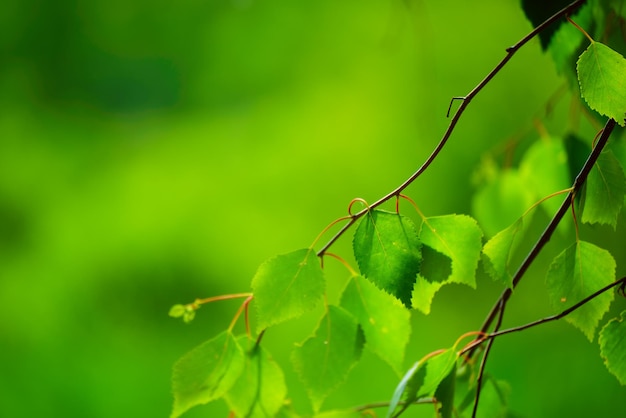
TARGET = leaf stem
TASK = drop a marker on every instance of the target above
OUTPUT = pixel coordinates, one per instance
(547, 233)
(465, 101)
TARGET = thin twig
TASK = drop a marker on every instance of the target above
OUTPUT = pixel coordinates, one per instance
(465, 101)
(483, 362)
(547, 233)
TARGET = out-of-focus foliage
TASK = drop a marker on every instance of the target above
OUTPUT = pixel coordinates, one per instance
(156, 152)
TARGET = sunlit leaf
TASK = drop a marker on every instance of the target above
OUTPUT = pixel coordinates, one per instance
(498, 250)
(387, 249)
(574, 274)
(457, 237)
(286, 286)
(423, 294)
(260, 390)
(605, 189)
(602, 78)
(206, 373)
(612, 347)
(324, 359)
(384, 320)
(545, 170)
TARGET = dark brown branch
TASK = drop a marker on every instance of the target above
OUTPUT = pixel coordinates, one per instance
(547, 233)
(465, 101)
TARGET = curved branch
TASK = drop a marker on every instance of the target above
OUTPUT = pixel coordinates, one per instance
(547, 233)
(465, 101)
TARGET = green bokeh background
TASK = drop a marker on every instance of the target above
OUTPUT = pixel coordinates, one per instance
(155, 152)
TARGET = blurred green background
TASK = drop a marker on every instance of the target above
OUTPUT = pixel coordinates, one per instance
(155, 152)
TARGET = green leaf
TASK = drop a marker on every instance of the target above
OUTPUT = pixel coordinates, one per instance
(445, 394)
(602, 78)
(502, 201)
(438, 368)
(384, 320)
(494, 398)
(574, 274)
(435, 267)
(423, 379)
(423, 294)
(387, 250)
(344, 413)
(566, 43)
(324, 359)
(612, 347)
(537, 11)
(206, 373)
(605, 189)
(260, 391)
(498, 250)
(544, 169)
(177, 311)
(457, 237)
(286, 286)
(407, 389)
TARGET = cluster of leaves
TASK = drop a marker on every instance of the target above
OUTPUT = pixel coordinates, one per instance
(402, 265)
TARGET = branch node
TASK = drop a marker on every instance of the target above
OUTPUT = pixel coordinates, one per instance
(462, 98)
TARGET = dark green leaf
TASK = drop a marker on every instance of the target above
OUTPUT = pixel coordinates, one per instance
(613, 347)
(498, 250)
(435, 267)
(602, 78)
(457, 237)
(387, 249)
(260, 391)
(567, 42)
(384, 320)
(577, 272)
(286, 286)
(206, 372)
(445, 394)
(324, 359)
(605, 189)
(537, 11)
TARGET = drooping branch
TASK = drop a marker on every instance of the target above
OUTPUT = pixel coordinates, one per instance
(465, 101)
(547, 233)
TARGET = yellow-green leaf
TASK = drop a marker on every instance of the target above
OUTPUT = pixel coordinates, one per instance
(384, 320)
(613, 347)
(206, 373)
(286, 286)
(324, 359)
(260, 390)
(602, 79)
